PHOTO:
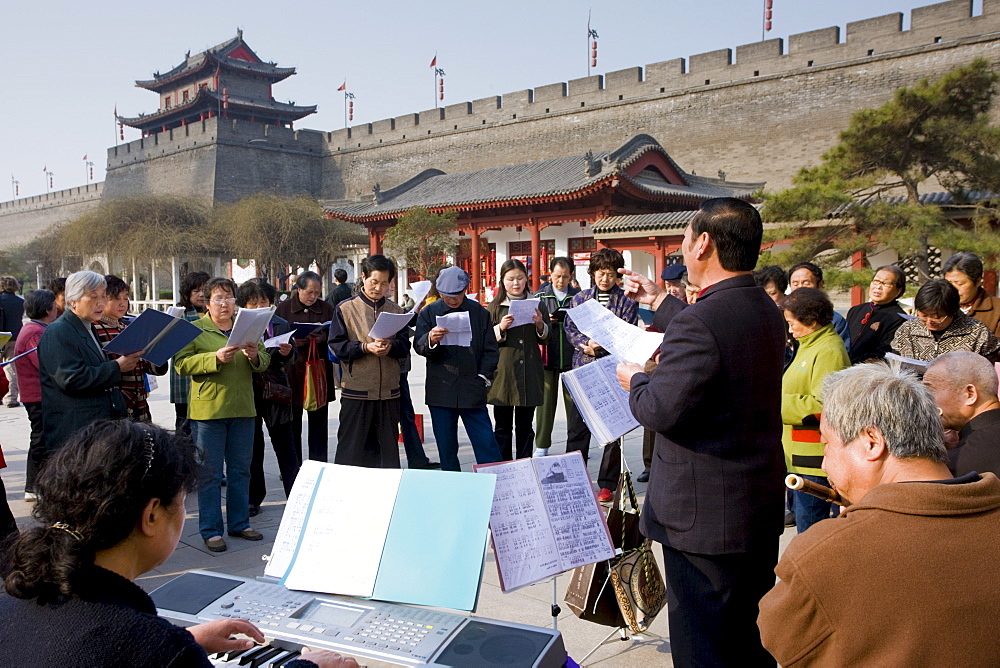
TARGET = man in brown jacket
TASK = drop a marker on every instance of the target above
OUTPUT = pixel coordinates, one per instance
(906, 575)
(369, 387)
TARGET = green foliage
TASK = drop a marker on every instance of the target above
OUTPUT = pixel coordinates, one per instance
(422, 239)
(866, 190)
(274, 231)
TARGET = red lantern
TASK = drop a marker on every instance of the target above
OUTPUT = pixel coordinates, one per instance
(593, 45)
(121, 131)
(767, 25)
(767, 15)
(50, 182)
(593, 62)
(768, 4)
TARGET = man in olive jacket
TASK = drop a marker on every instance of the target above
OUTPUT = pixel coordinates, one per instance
(458, 377)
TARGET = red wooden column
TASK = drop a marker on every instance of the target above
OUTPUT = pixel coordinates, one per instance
(477, 281)
(536, 255)
(659, 260)
(374, 241)
(857, 292)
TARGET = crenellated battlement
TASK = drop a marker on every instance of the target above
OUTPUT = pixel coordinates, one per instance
(74, 195)
(934, 26)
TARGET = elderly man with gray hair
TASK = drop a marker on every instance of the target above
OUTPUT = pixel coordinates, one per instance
(906, 575)
(964, 386)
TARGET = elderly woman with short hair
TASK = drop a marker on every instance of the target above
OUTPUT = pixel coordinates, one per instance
(40, 307)
(79, 383)
(940, 326)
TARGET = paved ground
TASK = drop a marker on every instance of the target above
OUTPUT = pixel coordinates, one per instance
(530, 605)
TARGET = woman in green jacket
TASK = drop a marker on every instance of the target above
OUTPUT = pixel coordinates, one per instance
(809, 314)
(221, 412)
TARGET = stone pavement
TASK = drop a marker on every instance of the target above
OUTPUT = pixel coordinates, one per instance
(530, 605)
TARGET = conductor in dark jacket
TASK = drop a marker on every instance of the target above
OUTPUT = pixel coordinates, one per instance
(458, 377)
(715, 496)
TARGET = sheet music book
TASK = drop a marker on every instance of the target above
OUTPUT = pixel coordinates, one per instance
(250, 325)
(619, 338)
(303, 329)
(545, 519)
(407, 536)
(523, 311)
(160, 335)
(459, 329)
(601, 400)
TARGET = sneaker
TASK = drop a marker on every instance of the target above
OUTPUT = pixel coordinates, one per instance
(30, 497)
(215, 544)
(789, 519)
(643, 477)
(248, 534)
(540, 452)
(605, 495)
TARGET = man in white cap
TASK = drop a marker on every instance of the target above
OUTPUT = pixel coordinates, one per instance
(458, 377)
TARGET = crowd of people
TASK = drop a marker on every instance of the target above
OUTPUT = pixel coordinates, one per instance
(749, 359)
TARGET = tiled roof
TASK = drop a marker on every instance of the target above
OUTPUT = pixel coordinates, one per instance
(292, 111)
(218, 54)
(544, 179)
(671, 220)
(936, 199)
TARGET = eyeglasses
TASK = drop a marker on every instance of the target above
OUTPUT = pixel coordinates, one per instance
(220, 302)
(932, 320)
(875, 281)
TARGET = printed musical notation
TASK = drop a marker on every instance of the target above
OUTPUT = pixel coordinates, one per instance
(619, 338)
(602, 402)
(545, 519)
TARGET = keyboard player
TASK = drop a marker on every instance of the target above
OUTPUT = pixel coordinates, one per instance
(111, 507)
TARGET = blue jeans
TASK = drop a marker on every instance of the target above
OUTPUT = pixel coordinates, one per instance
(477, 426)
(226, 441)
(808, 508)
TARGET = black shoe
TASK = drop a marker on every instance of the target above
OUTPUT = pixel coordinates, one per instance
(254, 511)
(428, 465)
(789, 519)
(642, 477)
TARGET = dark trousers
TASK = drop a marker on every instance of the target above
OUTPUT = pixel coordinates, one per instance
(181, 419)
(648, 440)
(37, 454)
(8, 525)
(284, 451)
(317, 432)
(415, 455)
(712, 603)
(368, 434)
(578, 438)
(511, 420)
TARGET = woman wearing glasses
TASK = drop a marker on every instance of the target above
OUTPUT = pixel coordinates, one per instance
(873, 324)
(221, 412)
(940, 326)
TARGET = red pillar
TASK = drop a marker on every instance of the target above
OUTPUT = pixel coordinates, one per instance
(374, 241)
(477, 281)
(659, 262)
(857, 292)
(536, 257)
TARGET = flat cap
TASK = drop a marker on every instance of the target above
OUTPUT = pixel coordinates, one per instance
(452, 281)
(673, 273)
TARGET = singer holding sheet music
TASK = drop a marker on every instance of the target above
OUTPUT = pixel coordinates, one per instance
(79, 383)
(221, 412)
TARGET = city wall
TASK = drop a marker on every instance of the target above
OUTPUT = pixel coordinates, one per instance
(21, 220)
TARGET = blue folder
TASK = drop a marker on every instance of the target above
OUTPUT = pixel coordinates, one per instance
(160, 335)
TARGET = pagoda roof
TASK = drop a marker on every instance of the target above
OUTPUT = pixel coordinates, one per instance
(206, 98)
(232, 55)
(641, 166)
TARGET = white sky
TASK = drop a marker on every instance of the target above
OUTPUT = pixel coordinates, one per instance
(66, 64)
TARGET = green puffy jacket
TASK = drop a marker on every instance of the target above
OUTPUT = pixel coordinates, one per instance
(218, 390)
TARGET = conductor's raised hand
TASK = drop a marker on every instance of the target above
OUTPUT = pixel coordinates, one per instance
(127, 362)
(624, 373)
(641, 288)
(324, 658)
(436, 334)
(226, 355)
(215, 636)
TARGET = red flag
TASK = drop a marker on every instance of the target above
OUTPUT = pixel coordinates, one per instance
(435, 61)
(45, 168)
(343, 86)
(85, 157)
(116, 111)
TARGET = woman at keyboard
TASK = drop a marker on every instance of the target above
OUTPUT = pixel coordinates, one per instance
(111, 507)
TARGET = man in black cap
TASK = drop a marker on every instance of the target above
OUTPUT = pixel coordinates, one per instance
(673, 277)
(458, 377)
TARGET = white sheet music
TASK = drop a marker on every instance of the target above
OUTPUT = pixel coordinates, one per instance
(276, 341)
(523, 311)
(420, 290)
(621, 339)
(459, 329)
(175, 311)
(387, 325)
(250, 325)
(545, 519)
(293, 519)
(340, 551)
(601, 400)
